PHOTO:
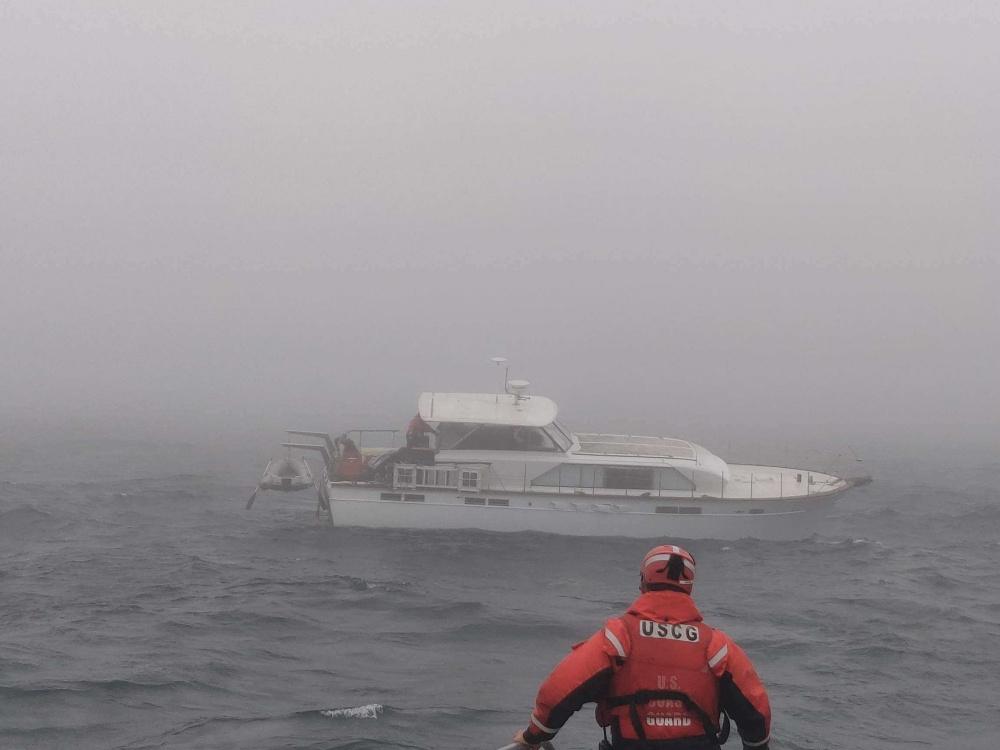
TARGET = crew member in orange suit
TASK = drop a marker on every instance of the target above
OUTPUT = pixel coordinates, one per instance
(660, 676)
(418, 433)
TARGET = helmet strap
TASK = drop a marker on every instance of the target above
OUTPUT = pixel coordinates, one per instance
(675, 568)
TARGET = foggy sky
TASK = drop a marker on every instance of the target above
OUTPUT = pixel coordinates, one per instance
(684, 218)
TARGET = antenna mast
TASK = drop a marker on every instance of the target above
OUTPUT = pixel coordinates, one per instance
(498, 361)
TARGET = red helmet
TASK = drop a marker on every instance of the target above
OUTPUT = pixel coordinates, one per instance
(668, 567)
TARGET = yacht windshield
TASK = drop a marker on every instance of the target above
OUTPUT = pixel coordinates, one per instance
(450, 434)
(494, 437)
(561, 435)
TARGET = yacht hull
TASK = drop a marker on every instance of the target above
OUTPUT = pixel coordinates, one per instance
(714, 519)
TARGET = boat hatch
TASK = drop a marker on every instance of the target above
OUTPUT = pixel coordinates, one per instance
(635, 445)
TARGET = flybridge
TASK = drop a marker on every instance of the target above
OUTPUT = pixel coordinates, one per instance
(488, 408)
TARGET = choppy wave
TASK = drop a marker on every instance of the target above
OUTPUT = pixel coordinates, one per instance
(114, 686)
(368, 711)
(161, 607)
(26, 520)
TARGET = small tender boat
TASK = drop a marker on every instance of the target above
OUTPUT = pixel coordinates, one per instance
(504, 462)
(284, 475)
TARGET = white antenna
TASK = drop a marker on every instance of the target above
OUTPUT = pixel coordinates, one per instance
(502, 361)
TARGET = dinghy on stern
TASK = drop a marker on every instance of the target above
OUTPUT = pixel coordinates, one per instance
(284, 475)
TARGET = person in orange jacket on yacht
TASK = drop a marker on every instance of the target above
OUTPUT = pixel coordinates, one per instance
(418, 433)
(660, 676)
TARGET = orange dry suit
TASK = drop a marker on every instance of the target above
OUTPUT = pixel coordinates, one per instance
(660, 677)
(351, 463)
(418, 432)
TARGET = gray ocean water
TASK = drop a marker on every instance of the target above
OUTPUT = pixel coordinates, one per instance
(142, 607)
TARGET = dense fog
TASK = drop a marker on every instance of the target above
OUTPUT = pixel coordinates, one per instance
(705, 221)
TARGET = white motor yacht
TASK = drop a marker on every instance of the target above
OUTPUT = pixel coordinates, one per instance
(504, 462)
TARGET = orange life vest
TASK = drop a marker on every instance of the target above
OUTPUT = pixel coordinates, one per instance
(351, 464)
(665, 689)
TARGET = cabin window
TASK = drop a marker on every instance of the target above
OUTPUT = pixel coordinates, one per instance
(413, 498)
(567, 475)
(431, 477)
(586, 476)
(629, 478)
(470, 480)
(475, 501)
(501, 501)
(671, 479)
(572, 476)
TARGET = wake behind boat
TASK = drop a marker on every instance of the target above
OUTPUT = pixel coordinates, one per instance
(504, 462)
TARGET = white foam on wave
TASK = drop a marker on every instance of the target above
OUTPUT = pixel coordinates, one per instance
(370, 711)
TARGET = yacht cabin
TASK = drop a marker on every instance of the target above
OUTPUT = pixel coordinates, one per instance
(517, 443)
